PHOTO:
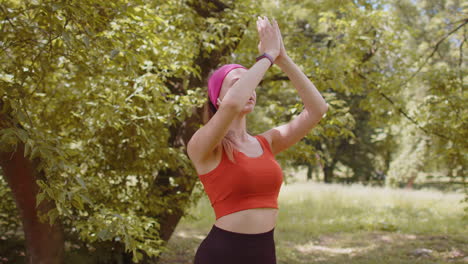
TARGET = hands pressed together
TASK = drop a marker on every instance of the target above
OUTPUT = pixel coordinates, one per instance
(271, 41)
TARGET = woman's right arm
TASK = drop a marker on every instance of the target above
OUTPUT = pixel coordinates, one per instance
(207, 138)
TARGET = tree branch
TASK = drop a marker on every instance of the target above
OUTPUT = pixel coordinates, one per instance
(400, 110)
(460, 62)
(465, 21)
(203, 9)
(403, 112)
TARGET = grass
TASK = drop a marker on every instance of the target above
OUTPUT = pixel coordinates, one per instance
(332, 223)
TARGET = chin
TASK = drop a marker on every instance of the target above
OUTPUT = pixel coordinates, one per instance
(248, 108)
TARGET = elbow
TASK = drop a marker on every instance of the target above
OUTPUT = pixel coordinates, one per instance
(316, 114)
(318, 109)
(325, 109)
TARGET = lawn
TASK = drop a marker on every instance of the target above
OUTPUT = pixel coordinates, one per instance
(332, 223)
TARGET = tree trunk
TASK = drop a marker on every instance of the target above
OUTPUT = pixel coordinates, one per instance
(181, 133)
(409, 184)
(328, 172)
(309, 172)
(44, 243)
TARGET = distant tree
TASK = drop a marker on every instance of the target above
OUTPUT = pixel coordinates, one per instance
(348, 53)
(432, 133)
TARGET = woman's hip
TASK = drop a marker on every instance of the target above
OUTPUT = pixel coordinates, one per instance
(223, 246)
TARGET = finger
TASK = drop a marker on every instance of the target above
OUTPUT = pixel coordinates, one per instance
(278, 29)
(260, 29)
(275, 23)
(263, 27)
(260, 26)
(267, 21)
(263, 22)
(260, 20)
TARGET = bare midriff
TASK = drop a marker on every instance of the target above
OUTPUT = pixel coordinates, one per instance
(250, 221)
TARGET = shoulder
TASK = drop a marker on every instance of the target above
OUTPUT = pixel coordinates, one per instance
(266, 138)
(195, 155)
(271, 136)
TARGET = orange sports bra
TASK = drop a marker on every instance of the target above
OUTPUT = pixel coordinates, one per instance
(252, 182)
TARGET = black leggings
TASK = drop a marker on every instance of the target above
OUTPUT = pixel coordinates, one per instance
(225, 247)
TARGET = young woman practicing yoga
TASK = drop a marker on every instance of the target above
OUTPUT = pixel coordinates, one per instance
(238, 171)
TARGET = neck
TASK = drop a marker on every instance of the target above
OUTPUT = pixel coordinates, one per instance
(238, 129)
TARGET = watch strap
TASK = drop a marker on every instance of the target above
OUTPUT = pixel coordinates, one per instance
(265, 55)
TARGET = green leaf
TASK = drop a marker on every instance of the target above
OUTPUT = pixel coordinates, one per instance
(104, 234)
(27, 148)
(80, 181)
(77, 202)
(39, 198)
(86, 199)
(53, 214)
(114, 53)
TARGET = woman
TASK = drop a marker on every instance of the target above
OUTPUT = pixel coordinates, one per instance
(239, 171)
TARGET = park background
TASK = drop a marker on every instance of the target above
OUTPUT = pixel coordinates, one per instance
(99, 99)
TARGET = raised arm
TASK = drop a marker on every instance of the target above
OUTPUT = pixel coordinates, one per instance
(286, 135)
(207, 138)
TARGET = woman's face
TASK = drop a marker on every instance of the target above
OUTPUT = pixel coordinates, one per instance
(231, 78)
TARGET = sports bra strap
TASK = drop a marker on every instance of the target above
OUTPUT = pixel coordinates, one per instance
(250, 183)
(264, 142)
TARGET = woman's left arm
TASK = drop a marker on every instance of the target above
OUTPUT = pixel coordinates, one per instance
(284, 136)
(311, 97)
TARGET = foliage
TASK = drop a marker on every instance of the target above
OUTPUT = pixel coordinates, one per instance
(392, 73)
(434, 36)
(94, 90)
(348, 53)
(87, 85)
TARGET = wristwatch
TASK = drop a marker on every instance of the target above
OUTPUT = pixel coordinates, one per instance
(265, 55)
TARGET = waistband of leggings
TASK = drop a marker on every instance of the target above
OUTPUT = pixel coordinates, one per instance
(265, 235)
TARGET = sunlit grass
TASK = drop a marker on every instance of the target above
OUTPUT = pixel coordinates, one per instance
(323, 208)
(333, 223)
(317, 208)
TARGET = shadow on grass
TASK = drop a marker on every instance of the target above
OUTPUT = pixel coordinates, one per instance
(375, 247)
(351, 248)
(364, 247)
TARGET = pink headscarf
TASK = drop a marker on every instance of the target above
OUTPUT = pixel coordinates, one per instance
(216, 81)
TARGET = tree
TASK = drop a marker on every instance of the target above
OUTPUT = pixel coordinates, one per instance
(348, 53)
(96, 93)
(433, 132)
(99, 100)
